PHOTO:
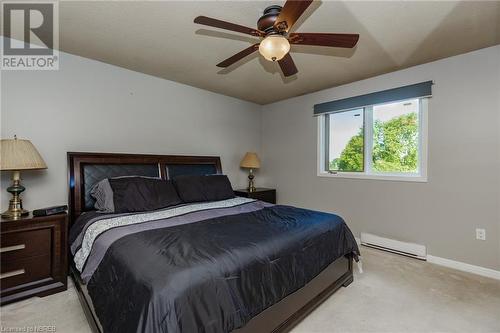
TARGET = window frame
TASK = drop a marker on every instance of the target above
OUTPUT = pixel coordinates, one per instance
(368, 173)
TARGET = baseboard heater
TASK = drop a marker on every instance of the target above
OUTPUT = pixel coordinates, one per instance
(391, 245)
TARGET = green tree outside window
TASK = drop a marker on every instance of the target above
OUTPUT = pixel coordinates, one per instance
(395, 147)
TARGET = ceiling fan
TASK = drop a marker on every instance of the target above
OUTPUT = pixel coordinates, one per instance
(273, 27)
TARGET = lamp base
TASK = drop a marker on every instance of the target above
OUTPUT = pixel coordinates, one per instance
(15, 210)
(251, 186)
(14, 215)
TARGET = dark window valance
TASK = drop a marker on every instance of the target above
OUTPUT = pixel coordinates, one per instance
(423, 89)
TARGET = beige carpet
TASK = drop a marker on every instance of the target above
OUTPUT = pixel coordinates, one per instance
(394, 294)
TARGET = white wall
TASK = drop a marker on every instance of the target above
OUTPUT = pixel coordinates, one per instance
(91, 106)
(463, 188)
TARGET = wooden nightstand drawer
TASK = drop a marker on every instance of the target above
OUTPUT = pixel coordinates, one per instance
(34, 257)
(19, 272)
(24, 244)
(262, 194)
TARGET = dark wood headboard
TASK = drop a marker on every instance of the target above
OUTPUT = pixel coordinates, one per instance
(86, 169)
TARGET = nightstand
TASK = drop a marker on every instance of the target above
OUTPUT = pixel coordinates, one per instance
(260, 193)
(34, 257)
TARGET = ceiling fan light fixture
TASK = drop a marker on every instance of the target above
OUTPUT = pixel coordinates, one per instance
(274, 47)
(274, 24)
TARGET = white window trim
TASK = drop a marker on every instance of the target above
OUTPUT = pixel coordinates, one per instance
(423, 151)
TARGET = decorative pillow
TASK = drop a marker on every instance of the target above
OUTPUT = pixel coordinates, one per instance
(103, 195)
(203, 188)
(137, 194)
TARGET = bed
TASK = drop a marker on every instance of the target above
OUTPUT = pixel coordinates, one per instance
(262, 269)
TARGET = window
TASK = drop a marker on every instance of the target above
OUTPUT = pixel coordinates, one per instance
(383, 141)
(345, 141)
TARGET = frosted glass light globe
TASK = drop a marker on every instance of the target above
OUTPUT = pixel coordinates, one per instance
(274, 47)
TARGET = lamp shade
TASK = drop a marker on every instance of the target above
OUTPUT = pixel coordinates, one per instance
(16, 154)
(251, 161)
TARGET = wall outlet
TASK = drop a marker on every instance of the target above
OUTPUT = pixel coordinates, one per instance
(481, 234)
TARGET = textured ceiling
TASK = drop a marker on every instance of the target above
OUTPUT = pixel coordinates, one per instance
(160, 39)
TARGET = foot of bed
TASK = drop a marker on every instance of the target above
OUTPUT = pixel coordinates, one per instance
(348, 281)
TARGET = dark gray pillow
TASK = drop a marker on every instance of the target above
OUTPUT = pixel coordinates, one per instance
(138, 194)
(103, 195)
(203, 188)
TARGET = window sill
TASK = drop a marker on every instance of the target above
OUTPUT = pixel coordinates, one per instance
(352, 175)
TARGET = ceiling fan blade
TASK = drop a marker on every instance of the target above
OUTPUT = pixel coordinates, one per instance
(227, 25)
(290, 13)
(287, 65)
(238, 56)
(320, 39)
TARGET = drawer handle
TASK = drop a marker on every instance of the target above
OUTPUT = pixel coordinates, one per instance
(12, 273)
(12, 248)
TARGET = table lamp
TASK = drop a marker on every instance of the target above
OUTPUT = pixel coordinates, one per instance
(17, 155)
(250, 161)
